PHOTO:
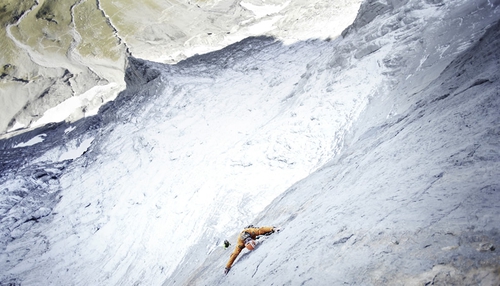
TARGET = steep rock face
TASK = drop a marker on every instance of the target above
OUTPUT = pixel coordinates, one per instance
(190, 153)
(370, 9)
(178, 158)
(367, 12)
(389, 226)
(412, 199)
(73, 53)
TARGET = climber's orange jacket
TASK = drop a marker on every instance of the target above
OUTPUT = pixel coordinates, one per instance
(240, 244)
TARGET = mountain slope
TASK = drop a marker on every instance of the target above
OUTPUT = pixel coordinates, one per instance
(187, 153)
(62, 60)
(413, 197)
(388, 137)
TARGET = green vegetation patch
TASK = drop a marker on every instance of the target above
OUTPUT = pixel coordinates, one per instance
(46, 12)
(55, 11)
(97, 36)
(121, 14)
(10, 12)
(47, 27)
(131, 16)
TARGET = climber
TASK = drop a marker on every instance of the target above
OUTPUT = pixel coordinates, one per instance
(247, 239)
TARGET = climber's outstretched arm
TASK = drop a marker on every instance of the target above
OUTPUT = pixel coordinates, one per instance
(265, 230)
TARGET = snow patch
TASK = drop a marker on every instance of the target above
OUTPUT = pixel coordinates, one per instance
(69, 129)
(264, 10)
(16, 126)
(72, 154)
(77, 105)
(35, 140)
